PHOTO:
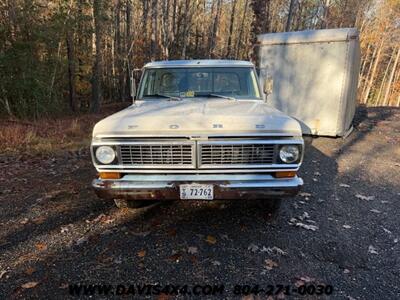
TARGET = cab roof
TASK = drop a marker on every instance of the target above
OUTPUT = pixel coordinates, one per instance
(199, 63)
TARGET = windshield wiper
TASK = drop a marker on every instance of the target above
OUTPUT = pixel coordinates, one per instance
(164, 96)
(220, 96)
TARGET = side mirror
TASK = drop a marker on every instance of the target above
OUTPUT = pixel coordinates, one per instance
(268, 85)
(133, 86)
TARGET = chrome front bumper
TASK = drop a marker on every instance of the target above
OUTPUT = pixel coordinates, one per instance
(166, 187)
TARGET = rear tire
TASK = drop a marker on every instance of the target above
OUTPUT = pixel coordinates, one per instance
(122, 203)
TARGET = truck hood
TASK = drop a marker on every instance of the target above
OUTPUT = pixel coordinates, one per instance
(213, 116)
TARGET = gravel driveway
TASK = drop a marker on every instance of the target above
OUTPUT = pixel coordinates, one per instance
(343, 230)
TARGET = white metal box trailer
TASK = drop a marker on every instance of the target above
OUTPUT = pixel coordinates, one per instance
(315, 77)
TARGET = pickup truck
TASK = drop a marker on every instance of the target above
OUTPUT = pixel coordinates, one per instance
(198, 130)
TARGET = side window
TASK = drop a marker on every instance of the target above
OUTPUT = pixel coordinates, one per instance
(149, 80)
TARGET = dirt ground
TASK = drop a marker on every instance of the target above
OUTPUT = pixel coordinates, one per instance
(342, 230)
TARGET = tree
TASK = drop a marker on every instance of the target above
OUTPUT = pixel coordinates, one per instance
(97, 65)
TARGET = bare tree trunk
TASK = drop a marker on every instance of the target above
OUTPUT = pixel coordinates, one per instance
(165, 28)
(239, 41)
(389, 84)
(174, 6)
(324, 23)
(228, 53)
(215, 29)
(364, 63)
(267, 21)
(258, 7)
(384, 77)
(366, 77)
(186, 26)
(371, 79)
(128, 48)
(120, 60)
(290, 14)
(97, 66)
(154, 30)
(145, 14)
(71, 71)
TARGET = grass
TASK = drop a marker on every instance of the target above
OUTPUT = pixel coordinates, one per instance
(48, 135)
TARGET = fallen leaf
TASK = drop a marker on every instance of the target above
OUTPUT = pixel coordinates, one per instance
(304, 216)
(211, 239)
(192, 250)
(299, 283)
(280, 296)
(64, 285)
(24, 221)
(2, 273)
(307, 279)
(30, 271)
(193, 259)
(29, 285)
(81, 240)
(270, 264)
(39, 220)
(372, 250)
(64, 229)
(307, 226)
(175, 257)
(163, 296)
(141, 253)
(225, 237)
(41, 246)
(273, 250)
(347, 226)
(252, 247)
(98, 218)
(172, 232)
(367, 198)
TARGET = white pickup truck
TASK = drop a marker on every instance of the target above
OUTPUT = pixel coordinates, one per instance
(201, 130)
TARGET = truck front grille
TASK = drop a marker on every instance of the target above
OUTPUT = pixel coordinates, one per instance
(236, 154)
(157, 155)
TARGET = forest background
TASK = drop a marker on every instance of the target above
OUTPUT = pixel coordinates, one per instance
(72, 57)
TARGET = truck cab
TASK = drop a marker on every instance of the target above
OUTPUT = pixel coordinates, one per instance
(197, 130)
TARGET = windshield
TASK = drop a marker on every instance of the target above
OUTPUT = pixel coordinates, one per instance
(231, 83)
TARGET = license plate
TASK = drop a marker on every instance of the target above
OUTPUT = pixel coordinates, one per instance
(197, 191)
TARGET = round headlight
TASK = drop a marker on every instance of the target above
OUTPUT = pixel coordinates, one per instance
(105, 154)
(289, 153)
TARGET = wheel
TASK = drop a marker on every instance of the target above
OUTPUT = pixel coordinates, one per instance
(122, 203)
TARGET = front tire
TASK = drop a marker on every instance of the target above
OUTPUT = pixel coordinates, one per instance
(122, 203)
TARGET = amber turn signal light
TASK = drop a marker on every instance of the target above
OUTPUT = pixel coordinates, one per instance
(285, 174)
(110, 175)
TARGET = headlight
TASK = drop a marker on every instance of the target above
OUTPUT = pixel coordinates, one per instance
(105, 154)
(289, 153)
